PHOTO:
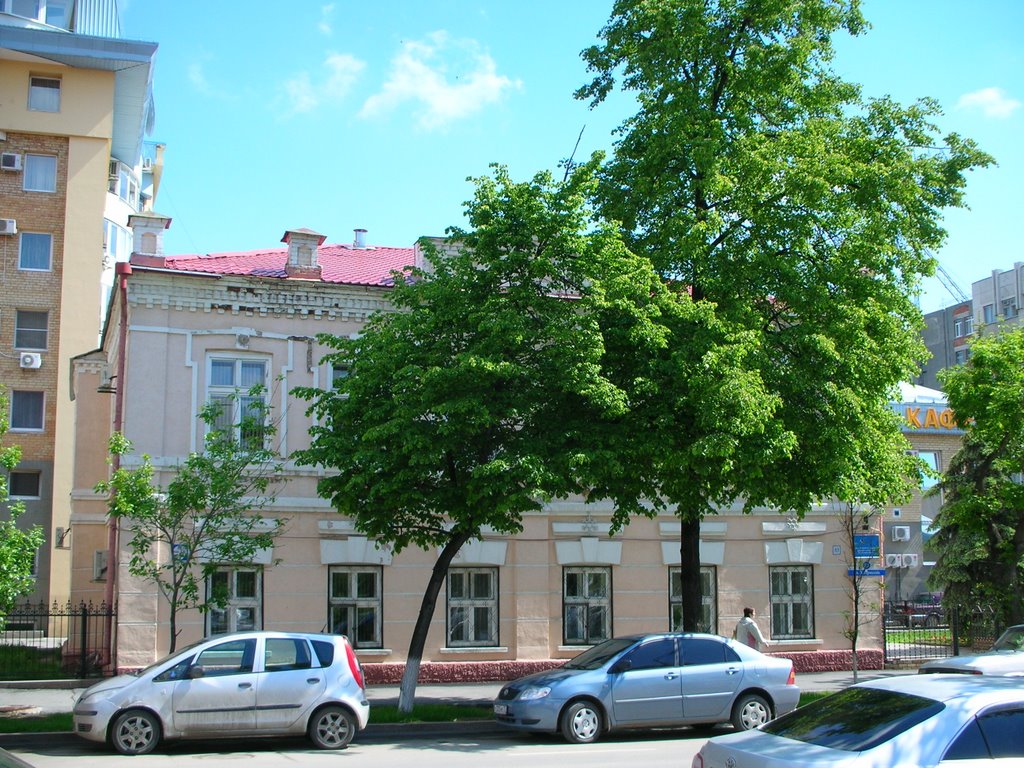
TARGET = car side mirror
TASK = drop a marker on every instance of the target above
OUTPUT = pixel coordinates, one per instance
(623, 665)
(194, 673)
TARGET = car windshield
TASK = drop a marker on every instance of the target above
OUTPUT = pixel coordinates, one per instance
(599, 655)
(1011, 640)
(855, 719)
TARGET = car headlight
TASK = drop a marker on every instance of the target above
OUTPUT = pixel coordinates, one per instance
(531, 693)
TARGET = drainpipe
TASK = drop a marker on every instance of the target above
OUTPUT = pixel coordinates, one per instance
(121, 272)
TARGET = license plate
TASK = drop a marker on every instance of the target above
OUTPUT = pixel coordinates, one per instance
(501, 709)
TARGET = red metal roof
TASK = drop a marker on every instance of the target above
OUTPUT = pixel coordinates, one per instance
(342, 264)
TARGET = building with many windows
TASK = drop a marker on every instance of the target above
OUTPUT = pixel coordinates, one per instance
(184, 331)
(75, 102)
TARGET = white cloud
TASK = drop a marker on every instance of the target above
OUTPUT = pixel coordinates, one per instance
(992, 102)
(448, 80)
(306, 94)
(326, 24)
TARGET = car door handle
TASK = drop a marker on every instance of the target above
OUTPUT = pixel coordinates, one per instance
(671, 676)
(731, 671)
(244, 686)
(312, 680)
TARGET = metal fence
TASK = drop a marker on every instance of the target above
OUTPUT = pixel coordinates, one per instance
(913, 635)
(40, 641)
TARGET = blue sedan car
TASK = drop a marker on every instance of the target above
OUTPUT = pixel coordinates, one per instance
(651, 681)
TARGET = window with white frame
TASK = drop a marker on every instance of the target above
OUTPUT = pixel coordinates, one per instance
(988, 313)
(30, 329)
(117, 243)
(44, 93)
(27, 410)
(708, 620)
(354, 604)
(339, 372)
(792, 601)
(473, 607)
(35, 251)
(40, 174)
(958, 327)
(968, 325)
(238, 593)
(586, 605)
(24, 485)
(241, 409)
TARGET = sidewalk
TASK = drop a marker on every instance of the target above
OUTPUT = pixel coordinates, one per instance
(22, 699)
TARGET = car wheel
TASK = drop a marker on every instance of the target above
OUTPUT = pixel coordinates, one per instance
(750, 711)
(332, 728)
(135, 732)
(581, 723)
(932, 621)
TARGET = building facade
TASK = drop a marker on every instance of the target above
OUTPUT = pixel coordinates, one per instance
(946, 334)
(76, 101)
(999, 297)
(183, 331)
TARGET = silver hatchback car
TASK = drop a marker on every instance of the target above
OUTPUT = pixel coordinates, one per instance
(649, 681)
(246, 684)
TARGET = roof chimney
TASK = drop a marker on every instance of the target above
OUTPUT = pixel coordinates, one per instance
(148, 234)
(360, 239)
(302, 253)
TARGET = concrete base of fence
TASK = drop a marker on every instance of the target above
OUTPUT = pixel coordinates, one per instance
(390, 673)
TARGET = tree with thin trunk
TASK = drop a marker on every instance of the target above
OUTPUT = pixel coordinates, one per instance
(470, 403)
(980, 525)
(800, 217)
(18, 545)
(207, 516)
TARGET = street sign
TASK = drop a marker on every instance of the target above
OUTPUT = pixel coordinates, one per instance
(866, 545)
(866, 572)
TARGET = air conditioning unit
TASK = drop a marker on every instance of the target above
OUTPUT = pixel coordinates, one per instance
(10, 161)
(910, 561)
(8, 227)
(30, 360)
(147, 163)
(894, 561)
(112, 169)
(901, 533)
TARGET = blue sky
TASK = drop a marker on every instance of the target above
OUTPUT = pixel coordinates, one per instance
(342, 115)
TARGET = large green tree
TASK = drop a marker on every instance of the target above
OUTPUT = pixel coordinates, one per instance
(18, 545)
(182, 533)
(477, 398)
(980, 526)
(798, 214)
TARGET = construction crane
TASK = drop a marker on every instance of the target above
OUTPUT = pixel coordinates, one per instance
(948, 282)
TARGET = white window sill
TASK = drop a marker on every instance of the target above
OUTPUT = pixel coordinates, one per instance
(475, 649)
(372, 651)
(783, 643)
(575, 648)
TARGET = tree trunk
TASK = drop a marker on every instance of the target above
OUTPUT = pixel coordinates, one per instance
(689, 562)
(407, 690)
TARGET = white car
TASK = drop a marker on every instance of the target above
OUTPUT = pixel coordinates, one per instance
(909, 721)
(1005, 658)
(246, 684)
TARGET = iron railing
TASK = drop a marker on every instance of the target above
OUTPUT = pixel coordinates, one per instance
(40, 641)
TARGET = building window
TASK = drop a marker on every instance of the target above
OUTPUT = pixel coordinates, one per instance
(968, 325)
(1009, 307)
(27, 410)
(355, 604)
(958, 328)
(586, 605)
(117, 243)
(338, 372)
(40, 173)
(931, 458)
(24, 485)
(124, 183)
(44, 94)
(30, 329)
(472, 607)
(238, 594)
(792, 599)
(708, 620)
(35, 251)
(241, 408)
(959, 356)
(988, 313)
(99, 565)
